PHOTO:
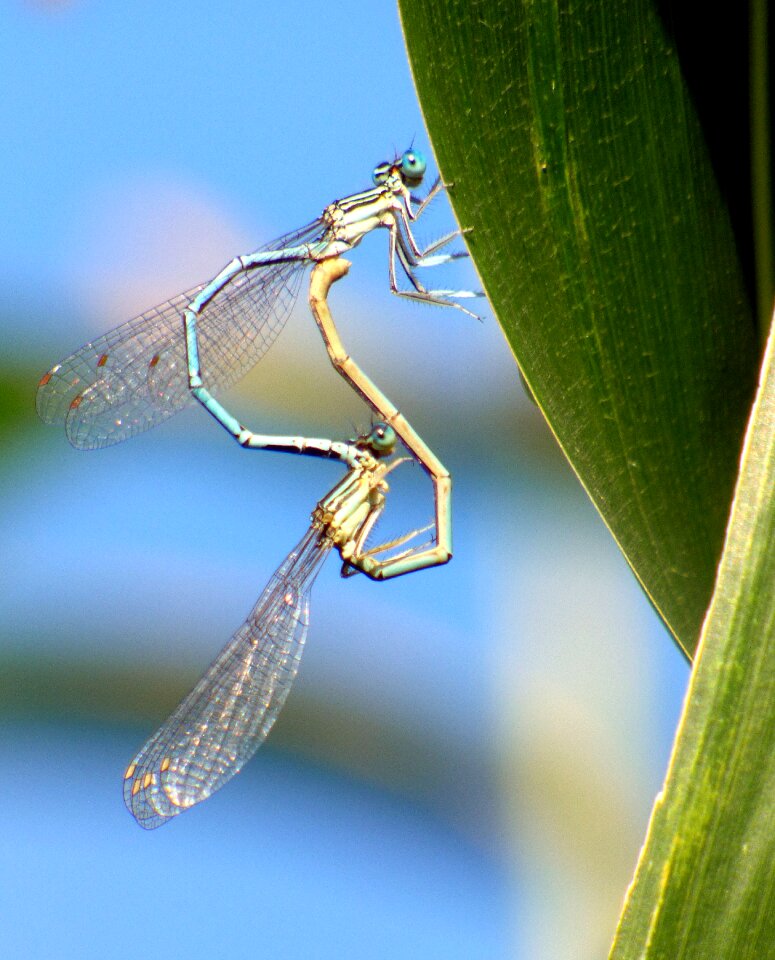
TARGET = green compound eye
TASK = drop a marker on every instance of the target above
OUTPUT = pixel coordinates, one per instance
(382, 438)
(413, 167)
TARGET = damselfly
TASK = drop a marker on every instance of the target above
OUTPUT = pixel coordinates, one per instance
(223, 721)
(205, 339)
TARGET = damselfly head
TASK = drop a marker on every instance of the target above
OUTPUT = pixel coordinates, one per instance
(382, 438)
(410, 167)
(380, 441)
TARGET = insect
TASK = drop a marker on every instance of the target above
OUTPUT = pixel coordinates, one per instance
(202, 341)
(223, 721)
(205, 339)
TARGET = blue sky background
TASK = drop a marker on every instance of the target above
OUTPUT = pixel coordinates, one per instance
(504, 721)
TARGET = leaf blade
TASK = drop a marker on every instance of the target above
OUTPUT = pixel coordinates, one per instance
(604, 247)
(704, 885)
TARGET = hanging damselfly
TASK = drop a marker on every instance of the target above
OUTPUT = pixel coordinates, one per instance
(218, 727)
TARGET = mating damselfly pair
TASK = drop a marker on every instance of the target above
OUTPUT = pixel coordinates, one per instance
(201, 342)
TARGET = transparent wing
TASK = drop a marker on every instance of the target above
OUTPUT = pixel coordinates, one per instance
(223, 721)
(136, 376)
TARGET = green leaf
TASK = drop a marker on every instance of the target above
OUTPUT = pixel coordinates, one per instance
(704, 886)
(606, 252)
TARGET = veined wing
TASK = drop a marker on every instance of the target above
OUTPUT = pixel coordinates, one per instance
(136, 376)
(223, 721)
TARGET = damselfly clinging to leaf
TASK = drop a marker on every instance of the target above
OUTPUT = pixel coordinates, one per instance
(223, 721)
(205, 339)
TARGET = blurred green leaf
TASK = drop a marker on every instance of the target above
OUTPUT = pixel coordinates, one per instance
(704, 886)
(17, 398)
(607, 255)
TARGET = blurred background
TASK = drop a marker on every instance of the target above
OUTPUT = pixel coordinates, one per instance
(466, 765)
